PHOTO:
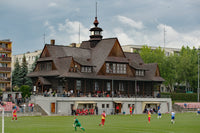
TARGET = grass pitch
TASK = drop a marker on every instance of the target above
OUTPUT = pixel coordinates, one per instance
(184, 123)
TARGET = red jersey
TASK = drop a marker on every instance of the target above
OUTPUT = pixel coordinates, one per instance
(14, 112)
(103, 116)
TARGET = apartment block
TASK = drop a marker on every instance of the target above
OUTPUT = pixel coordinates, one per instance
(5, 64)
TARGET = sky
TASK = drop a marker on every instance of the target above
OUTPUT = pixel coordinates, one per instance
(32, 23)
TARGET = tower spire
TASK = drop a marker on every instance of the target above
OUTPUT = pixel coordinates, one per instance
(95, 35)
(96, 21)
(96, 10)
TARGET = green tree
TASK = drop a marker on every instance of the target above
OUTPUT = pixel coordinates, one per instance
(187, 67)
(146, 54)
(16, 74)
(24, 80)
(169, 71)
(166, 64)
(26, 91)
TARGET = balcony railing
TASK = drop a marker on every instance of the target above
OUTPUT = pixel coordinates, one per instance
(5, 69)
(5, 49)
(7, 59)
(4, 79)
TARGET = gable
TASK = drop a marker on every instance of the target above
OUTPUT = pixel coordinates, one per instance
(45, 52)
(116, 50)
(157, 73)
(74, 66)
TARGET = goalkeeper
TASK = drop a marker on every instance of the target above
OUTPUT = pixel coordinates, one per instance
(77, 124)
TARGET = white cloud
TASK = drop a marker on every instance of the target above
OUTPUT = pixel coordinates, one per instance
(173, 38)
(123, 37)
(52, 4)
(130, 22)
(176, 39)
(67, 32)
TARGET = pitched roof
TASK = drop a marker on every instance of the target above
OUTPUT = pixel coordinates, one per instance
(151, 73)
(101, 52)
(62, 57)
(44, 73)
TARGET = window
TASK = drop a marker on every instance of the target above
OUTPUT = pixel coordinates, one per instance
(3, 65)
(103, 105)
(89, 69)
(96, 86)
(121, 68)
(108, 86)
(118, 68)
(124, 67)
(142, 73)
(96, 33)
(139, 73)
(107, 105)
(2, 85)
(92, 32)
(78, 84)
(45, 66)
(121, 87)
(86, 69)
(114, 68)
(3, 76)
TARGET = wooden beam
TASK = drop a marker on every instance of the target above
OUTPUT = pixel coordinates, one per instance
(84, 87)
(128, 88)
(143, 89)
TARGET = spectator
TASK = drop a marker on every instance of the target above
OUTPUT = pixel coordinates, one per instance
(32, 107)
(45, 93)
(96, 109)
(117, 109)
(29, 107)
(71, 91)
(54, 93)
(185, 105)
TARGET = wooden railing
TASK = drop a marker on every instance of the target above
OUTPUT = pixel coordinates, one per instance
(5, 58)
(5, 49)
(7, 69)
(4, 79)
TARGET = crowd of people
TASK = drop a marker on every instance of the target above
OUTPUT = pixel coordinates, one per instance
(70, 93)
(84, 111)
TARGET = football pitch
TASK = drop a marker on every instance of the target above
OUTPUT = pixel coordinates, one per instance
(184, 123)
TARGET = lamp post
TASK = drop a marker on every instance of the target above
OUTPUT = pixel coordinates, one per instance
(198, 80)
(2, 119)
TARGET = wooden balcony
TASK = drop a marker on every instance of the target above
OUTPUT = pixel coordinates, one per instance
(5, 69)
(4, 79)
(5, 59)
(5, 50)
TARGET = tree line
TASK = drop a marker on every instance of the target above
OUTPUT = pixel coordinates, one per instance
(178, 69)
(20, 81)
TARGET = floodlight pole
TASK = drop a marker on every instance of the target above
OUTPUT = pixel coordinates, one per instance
(2, 119)
(198, 80)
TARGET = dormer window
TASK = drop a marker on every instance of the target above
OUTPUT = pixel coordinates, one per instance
(115, 68)
(45, 66)
(139, 73)
(87, 69)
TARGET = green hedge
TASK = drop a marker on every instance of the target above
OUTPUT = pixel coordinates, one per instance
(181, 96)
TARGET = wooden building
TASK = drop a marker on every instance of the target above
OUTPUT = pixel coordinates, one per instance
(99, 67)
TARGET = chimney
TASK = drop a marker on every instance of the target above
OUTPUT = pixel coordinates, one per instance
(52, 42)
(73, 44)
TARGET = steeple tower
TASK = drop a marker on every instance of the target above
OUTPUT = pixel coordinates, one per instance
(95, 32)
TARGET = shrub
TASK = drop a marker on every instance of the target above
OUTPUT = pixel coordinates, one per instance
(181, 96)
(26, 91)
